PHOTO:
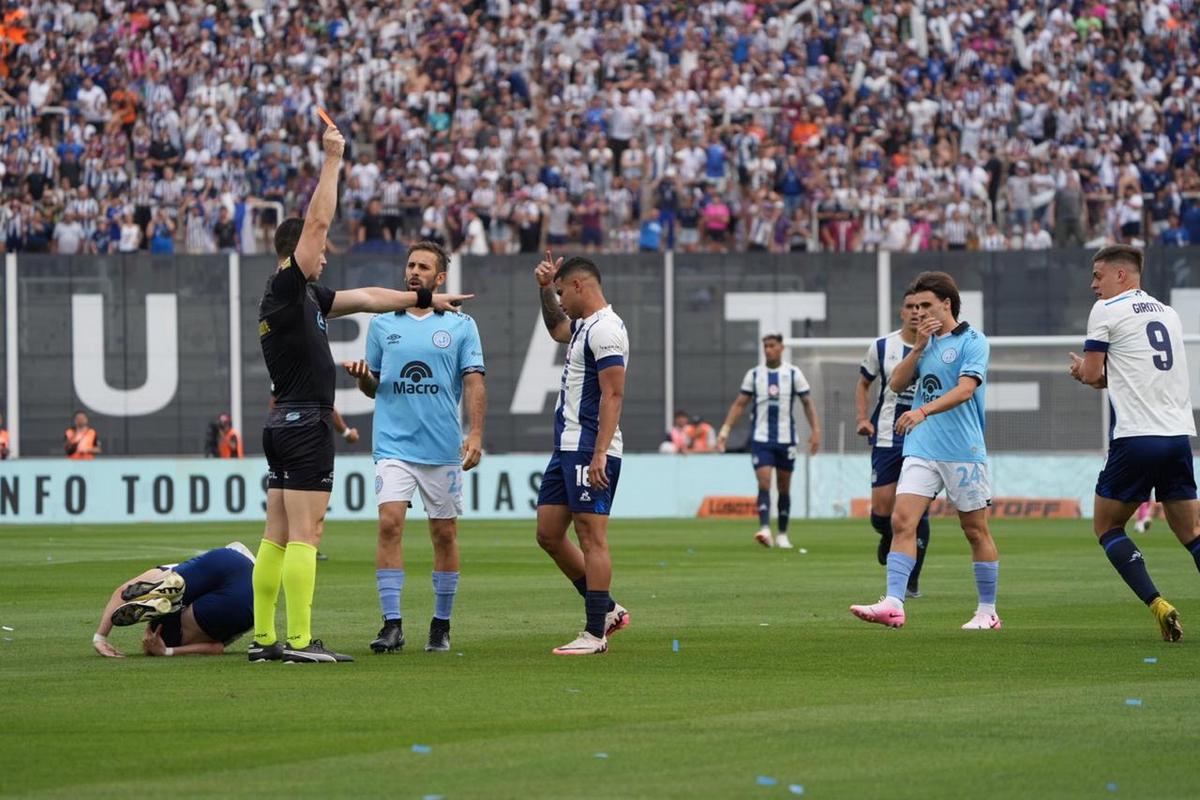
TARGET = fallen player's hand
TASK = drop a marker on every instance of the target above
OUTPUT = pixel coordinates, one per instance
(152, 642)
(105, 649)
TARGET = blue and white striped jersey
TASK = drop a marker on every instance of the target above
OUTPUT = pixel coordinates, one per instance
(597, 343)
(773, 394)
(882, 357)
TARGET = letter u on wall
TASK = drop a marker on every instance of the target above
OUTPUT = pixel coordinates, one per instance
(87, 357)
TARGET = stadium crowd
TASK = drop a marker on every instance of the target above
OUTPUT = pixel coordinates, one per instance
(503, 126)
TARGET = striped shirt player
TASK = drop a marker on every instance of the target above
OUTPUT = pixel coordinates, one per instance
(1134, 346)
(597, 343)
(887, 445)
(580, 482)
(771, 391)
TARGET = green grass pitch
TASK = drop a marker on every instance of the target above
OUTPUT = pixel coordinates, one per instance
(773, 678)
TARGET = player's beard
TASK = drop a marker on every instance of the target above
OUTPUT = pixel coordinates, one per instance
(415, 283)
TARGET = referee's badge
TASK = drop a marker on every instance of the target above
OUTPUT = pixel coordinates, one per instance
(441, 339)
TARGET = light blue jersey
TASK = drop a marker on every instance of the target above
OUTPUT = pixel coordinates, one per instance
(957, 434)
(420, 363)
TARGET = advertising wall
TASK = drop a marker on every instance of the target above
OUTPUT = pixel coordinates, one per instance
(136, 490)
(155, 348)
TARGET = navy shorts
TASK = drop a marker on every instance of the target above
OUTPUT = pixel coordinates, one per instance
(780, 456)
(565, 483)
(219, 590)
(885, 465)
(1137, 464)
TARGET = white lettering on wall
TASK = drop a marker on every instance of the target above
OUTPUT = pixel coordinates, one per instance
(541, 373)
(87, 357)
(774, 312)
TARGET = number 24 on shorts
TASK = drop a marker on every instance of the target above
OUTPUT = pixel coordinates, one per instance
(966, 478)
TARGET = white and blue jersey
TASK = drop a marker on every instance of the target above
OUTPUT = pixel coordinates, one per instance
(1146, 365)
(773, 393)
(597, 343)
(1149, 396)
(420, 363)
(880, 361)
(957, 434)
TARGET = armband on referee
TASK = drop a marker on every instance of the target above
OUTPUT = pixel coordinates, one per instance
(424, 298)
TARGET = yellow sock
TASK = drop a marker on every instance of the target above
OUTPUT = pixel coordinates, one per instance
(268, 571)
(299, 581)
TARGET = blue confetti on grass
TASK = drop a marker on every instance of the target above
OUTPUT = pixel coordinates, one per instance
(796, 788)
(434, 797)
(1150, 660)
(674, 645)
(766, 780)
(1133, 701)
(601, 755)
(423, 749)
(1112, 787)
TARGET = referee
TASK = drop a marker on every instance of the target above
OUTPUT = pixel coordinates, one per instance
(298, 435)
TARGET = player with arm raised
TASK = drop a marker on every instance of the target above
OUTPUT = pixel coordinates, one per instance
(887, 446)
(1135, 347)
(772, 389)
(580, 482)
(943, 448)
(419, 364)
(298, 434)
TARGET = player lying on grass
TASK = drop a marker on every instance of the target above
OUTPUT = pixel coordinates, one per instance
(195, 608)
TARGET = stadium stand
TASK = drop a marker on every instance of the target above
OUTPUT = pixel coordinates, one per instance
(499, 126)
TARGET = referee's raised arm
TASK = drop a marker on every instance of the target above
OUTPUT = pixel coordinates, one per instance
(321, 208)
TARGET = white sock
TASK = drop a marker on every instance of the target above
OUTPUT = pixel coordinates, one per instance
(986, 608)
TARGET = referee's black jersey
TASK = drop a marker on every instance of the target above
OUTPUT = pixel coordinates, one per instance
(295, 344)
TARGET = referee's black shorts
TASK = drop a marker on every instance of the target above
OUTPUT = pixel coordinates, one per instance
(298, 444)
